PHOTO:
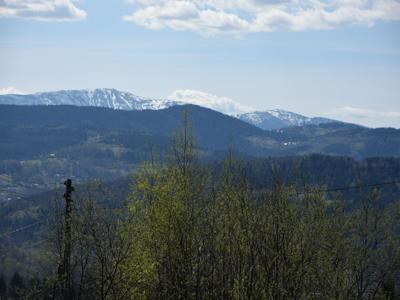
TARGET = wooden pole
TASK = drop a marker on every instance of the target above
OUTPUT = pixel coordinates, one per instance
(66, 264)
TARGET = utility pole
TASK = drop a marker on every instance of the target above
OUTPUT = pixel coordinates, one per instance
(65, 268)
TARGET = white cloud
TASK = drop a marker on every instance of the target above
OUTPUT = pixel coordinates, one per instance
(218, 103)
(10, 90)
(211, 17)
(368, 117)
(366, 113)
(43, 10)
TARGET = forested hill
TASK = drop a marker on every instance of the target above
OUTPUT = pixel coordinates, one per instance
(70, 125)
(212, 129)
(43, 145)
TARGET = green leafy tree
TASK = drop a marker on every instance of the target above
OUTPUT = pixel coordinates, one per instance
(202, 236)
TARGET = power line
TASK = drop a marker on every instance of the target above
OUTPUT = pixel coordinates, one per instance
(352, 187)
(21, 229)
(339, 189)
(364, 186)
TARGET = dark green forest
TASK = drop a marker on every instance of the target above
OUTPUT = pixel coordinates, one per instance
(41, 146)
(185, 228)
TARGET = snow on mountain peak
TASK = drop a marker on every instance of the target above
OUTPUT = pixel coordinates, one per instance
(115, 99)
(290, 117)
(104, 97)
(279, 118)
(268, 119)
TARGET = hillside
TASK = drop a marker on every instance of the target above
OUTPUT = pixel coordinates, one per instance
(41, 145)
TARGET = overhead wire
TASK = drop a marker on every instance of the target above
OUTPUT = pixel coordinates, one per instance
(352, 187)
(26, 227)
(340, 189)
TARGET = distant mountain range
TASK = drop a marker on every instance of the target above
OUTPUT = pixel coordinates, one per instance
(109, 98)
(112, 98)
(279, 118)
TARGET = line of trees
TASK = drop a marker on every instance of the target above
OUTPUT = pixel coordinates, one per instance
(196, 238)
(186, 233)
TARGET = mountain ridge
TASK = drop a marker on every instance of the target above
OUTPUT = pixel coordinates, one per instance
(279, 118)
(99, 97)
(65, 141)
(120, 100)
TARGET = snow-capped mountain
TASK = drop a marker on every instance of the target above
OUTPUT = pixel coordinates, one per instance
(109, 98)
(115, 99)
(278, 118)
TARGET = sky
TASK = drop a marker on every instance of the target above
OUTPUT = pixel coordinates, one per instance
(337, 59)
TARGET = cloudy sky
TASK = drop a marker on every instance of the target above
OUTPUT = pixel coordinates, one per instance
(339, 58)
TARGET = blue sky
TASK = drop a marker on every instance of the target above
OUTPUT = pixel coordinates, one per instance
(338, 59)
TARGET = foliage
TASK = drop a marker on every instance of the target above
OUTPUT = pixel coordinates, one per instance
(190, 231)
(199, 239)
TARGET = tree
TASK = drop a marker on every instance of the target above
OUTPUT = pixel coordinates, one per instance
(3, 287)
(100, 246)
(166, 206)
(17, 286)
(205, 236)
